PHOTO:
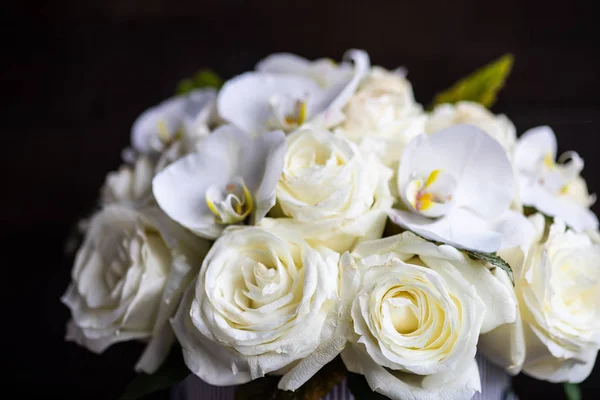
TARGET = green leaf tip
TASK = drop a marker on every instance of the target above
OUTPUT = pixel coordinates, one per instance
(492, 259)
(481, 86)
(203, 78)
(572, 391)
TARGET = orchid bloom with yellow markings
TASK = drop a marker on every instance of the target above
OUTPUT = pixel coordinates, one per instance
(285, 93)
(325, 71)
(159, 126)
(231, 180)
(456, 186)
(555, 189)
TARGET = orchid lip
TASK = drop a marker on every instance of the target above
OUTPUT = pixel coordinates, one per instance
(230, 204)
(432, 195)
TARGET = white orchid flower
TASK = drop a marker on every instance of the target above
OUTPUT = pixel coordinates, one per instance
(159, 126)
(231, 180)
(553, 188)
(324, 71)
(457, 186)
(257, 102)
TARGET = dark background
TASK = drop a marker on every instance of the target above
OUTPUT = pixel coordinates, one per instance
(75, 74)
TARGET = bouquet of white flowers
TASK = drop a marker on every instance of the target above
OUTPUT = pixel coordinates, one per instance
(307, 210)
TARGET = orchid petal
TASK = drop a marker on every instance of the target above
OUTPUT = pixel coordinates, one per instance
(262, 164)
(578, 217)
(180, 189)
(284, 63)
(479, 164)
(156, 124)
(533, 145)
(336, 97)
(244, 100)
(460, 228)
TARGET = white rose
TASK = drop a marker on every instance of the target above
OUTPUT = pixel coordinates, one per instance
(383, 115)
(418, 315)
(264, 301)
(465, 112)
(128, 277)
(332, 193)
(129, 184)
(557, 284)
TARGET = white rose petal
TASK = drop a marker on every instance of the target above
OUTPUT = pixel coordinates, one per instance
(130, 184)
(558, 289)
(498, 127)
(383, 115)
(418, 315)
(555, 189)
(128, 277)
(263, 301)
(457, 186)
(331, 193)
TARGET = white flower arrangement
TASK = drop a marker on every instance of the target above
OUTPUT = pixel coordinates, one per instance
(308, 210)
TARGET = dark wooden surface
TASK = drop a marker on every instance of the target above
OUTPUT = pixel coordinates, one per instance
(75, 75)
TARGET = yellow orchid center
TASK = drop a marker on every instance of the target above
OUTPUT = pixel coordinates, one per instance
(231, 205)
(431, 195)
(164, 135)
(300, 114)
(423, 199)
(549, 161)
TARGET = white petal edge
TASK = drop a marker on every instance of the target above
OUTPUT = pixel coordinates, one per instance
(383, 381)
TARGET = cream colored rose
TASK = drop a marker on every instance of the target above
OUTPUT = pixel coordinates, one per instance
(418, 315)
(383, 115)
(331, 193)
(264, 302)
(129, 184)
(128, 277)
(557, 284)
(465, 112)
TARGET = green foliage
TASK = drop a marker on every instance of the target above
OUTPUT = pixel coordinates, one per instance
(202, 79)
(491, 259)
(171, 372)
(481, 86)
(572, 391)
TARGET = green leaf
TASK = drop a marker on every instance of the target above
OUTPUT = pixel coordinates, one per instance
(360, 388)
(207, 78)
(481, 86)
(171, 372)
(202, 79)
(317, 387)
(572, 391)
(492, 259)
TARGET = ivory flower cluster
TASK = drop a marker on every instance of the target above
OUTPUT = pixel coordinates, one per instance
(248, 224)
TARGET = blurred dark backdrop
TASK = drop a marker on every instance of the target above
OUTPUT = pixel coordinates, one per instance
(75, 74)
